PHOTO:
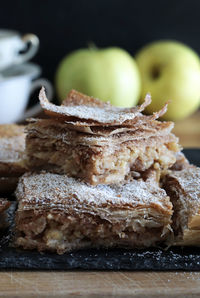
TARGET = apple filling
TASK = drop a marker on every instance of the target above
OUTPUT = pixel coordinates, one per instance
(95, 165)
(63, 233)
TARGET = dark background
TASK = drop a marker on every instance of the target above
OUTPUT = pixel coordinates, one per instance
(63, 26)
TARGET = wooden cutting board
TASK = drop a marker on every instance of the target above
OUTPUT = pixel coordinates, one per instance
(110, 284)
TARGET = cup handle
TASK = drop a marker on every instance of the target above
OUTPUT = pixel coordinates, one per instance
(34, 42)
(36, 109)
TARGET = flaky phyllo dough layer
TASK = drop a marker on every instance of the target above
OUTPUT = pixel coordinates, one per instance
(99, 143)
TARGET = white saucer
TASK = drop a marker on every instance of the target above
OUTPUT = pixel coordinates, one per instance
(27, 69)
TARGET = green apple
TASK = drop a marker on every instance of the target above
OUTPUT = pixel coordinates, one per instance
(108, 74)
(170, 71)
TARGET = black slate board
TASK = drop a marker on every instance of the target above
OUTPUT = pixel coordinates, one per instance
(175, 258)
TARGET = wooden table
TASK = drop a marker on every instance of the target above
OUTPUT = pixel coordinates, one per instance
(100, 284)
(188, 131)
(110, 284)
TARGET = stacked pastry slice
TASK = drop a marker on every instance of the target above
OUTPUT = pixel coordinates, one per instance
(60, 213)
(99, 143)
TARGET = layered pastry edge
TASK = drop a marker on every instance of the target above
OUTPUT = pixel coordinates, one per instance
(134, 215)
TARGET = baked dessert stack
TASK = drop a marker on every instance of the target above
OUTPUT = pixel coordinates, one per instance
(99, 176)
(98, 143)
(100, 187)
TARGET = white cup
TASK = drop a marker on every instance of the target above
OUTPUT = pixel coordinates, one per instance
(11, 44)
(16, 85)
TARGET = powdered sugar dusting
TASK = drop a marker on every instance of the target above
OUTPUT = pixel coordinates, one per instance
(105, 115)
(52, 191)
(188, 182)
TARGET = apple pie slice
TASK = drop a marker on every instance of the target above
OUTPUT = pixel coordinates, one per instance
(113, 143)
(183, 187)
(59, 213)
(12, 155)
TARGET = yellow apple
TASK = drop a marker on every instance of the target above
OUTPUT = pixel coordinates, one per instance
(108, 74)
(170, 71)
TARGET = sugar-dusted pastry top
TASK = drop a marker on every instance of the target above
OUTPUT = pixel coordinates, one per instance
(82, 110)
(46, 191)
(12, 142)
(187, 183)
